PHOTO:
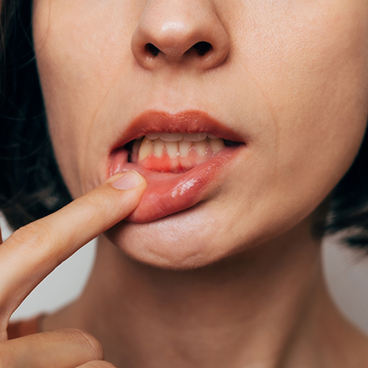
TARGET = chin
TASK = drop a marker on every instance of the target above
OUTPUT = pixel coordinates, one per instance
(204, 235)
(182, 241)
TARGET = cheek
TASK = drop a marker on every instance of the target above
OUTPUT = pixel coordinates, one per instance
(326, 107)
(311, 73)
(79, 56)
(311, 65)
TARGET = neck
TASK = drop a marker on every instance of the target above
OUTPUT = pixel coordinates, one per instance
(261, 308)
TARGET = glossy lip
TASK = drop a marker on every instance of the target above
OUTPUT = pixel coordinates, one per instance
(168, 193)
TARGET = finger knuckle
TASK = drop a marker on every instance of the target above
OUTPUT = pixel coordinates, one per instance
(87, 342)
(95, 202)
(32, 236)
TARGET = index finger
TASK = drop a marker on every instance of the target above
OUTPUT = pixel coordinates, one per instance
(33, 251)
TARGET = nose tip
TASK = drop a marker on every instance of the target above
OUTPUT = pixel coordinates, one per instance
(172, 34)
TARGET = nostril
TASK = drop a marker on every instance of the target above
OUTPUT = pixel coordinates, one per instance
(152, 49)
(202, 47)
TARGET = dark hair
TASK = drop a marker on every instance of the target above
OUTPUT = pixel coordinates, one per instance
(31, 185)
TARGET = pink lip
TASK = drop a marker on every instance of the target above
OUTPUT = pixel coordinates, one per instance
(168, 193)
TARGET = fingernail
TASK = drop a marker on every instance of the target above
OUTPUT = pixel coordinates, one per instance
(129, 180)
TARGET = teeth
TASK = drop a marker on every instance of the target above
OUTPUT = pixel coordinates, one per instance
(158, 147)
(217, 145)
(152, 136)
(146, 149)
(170, 137)
(194, 137)
(201, 147)
(172, 149)
(184, 148)
(177, 137)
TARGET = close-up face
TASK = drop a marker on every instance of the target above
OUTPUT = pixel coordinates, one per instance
(242, 115)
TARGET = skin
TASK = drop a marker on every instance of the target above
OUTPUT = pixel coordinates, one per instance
(236, 280)
(293, 86)
(33, 251)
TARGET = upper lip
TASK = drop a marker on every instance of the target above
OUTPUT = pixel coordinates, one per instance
(192, 121)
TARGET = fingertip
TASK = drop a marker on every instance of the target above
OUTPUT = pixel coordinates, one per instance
(128, 180)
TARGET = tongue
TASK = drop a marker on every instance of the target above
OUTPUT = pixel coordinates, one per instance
(178, 164)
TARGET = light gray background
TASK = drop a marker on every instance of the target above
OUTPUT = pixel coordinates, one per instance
(346, 272)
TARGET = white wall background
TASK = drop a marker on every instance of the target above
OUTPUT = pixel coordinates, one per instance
(61, 286)
(346, 273)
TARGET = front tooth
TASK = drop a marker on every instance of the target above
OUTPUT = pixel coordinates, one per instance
(172, 149)
(211, 136)
(217, 145)
(152, 136)
(184, 148)
(194, 137)
(158, 147)
(201, 147)
(170, 137)
(146, 149)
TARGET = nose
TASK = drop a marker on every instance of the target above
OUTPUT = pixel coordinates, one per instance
(177, 32)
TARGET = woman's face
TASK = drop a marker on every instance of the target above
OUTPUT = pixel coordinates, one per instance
(285, 82)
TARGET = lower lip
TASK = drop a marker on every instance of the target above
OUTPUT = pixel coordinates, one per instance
(168, 193)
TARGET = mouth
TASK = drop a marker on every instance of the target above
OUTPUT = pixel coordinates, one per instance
(181, 156)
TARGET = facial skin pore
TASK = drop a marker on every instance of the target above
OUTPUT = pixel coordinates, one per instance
(288, 77)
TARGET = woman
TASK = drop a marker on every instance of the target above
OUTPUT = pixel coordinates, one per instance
(243, 118)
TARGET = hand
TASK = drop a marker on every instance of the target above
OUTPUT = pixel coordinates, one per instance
(34, 250)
